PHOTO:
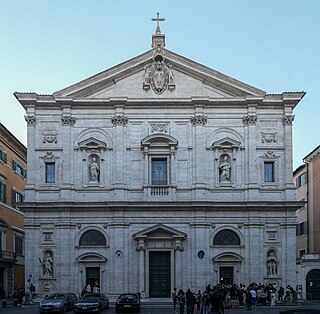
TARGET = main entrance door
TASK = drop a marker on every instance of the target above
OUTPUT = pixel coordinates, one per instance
(93, 276)
(226, 275)
(159, 274)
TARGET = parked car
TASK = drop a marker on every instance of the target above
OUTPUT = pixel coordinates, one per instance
(128, 302)
(92, 302)
(58, 302)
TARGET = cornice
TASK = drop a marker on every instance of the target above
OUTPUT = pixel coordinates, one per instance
(13, 143)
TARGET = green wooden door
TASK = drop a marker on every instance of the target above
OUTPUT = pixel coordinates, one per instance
(159, 274)
(313, 284)
(226, 275)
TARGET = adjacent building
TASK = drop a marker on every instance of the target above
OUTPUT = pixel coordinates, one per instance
(307, 180)
(158, 173)
(13, 164)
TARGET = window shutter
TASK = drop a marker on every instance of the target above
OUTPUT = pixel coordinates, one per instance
(13, 196)
(3, 192)
(4, 156)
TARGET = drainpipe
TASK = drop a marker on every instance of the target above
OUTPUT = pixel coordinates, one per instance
(308, 224)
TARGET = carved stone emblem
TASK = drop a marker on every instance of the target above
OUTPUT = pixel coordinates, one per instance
(50, 138)
(159, 127)
(268, 138)
(159, 76)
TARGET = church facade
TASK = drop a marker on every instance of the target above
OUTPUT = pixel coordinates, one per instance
(159, 173)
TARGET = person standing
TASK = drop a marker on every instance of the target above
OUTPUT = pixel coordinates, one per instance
(205, 302)
(248, 300)
(198, 300)
(189, 298)
(174, 298)
(182, 300)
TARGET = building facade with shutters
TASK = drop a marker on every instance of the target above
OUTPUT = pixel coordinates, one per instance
(307, 180)
(13, 165)
(159, 173)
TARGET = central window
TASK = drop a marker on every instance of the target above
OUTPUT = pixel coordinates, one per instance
(268, 171)
(159, 171)
(50, 172)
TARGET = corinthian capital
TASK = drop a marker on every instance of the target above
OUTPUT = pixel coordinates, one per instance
(249, 119)
(30, 119)
(288, 119)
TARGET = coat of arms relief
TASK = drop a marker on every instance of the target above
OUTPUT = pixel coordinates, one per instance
(159, 76)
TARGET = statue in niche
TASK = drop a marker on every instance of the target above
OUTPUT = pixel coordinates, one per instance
(47, 265)
(272, 264)
(225, 169)
(94, 170)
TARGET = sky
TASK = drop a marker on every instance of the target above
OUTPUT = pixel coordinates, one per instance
(270, 44)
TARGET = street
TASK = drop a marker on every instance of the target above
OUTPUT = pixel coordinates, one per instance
(33, 309)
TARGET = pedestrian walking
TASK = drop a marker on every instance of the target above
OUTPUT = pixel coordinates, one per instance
(174, 298)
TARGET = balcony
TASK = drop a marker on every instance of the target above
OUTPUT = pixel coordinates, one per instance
(159, 193)
(8, 257)
(159, 190)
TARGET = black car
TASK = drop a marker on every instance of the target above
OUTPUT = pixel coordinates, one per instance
(92, 302)
(58, 302)
(128, 302)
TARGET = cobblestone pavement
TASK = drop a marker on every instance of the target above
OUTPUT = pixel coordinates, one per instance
(146, 309)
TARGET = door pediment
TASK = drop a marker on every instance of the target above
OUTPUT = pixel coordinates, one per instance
(91, 257)
(160, 232)
(227, 257)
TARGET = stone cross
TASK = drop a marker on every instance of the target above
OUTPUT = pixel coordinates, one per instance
(158, 19)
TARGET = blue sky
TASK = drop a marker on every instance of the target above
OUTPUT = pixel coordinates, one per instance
(272, 45)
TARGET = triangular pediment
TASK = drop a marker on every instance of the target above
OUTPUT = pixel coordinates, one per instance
(226, 143)
(160, 231)
(184, 78)
(92, 143)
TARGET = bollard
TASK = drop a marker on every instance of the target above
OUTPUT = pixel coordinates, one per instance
(27, 298)
(4, 303)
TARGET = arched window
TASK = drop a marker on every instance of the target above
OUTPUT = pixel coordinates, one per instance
(226, 237)
(92, 238)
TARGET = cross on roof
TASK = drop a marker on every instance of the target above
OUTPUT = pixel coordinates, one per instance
(158, 19)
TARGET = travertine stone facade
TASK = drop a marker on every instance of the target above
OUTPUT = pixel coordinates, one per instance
(160, 117)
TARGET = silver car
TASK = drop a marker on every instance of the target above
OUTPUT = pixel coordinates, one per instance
(58, 302)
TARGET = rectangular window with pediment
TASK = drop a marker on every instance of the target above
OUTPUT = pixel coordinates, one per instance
(159, 171)
(269, 171)
(50, 172)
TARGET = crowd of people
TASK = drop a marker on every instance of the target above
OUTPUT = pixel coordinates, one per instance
(215, 299)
